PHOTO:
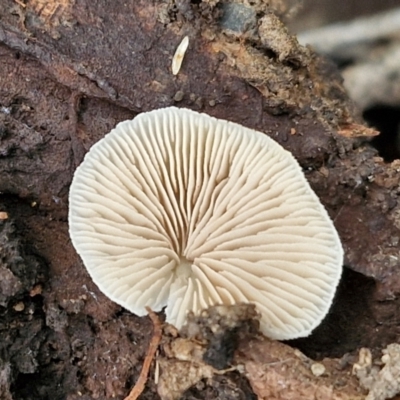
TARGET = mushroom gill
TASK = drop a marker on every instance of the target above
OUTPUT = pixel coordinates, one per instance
(180, 210)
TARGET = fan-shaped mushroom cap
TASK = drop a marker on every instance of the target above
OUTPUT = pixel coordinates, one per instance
(182, 210)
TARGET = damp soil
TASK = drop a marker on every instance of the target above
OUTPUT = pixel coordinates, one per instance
(68, 73)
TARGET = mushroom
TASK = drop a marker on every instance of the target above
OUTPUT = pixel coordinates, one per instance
(181, 210)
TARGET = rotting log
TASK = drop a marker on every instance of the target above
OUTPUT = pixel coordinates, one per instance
(70, 70)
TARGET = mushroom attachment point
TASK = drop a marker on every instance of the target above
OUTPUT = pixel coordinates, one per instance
(181, 210)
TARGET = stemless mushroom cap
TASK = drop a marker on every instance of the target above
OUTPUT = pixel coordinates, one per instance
(180, 209)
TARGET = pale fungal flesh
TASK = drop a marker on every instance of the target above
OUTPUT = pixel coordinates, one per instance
(180, 210)
(179, 54)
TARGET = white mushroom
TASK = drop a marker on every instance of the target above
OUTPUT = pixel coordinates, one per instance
(180, 210)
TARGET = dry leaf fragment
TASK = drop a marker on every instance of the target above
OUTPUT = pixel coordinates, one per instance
(356, 130)
(278, 372)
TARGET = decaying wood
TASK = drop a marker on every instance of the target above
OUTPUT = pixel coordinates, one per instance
(68, 74)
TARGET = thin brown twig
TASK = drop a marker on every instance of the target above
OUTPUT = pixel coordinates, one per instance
(23, 5)
(151, 351)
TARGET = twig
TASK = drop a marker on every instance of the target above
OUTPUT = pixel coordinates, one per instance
(23, 5)
(332, 39)
(151, 351)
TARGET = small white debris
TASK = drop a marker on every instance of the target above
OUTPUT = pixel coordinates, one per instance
(19, 306)
(317, 369)
(157, 372)
(364, 363)
(179, 54)
(5, 110)
(384, 382)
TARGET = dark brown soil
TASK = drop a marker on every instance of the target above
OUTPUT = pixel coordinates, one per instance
(69, 71)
